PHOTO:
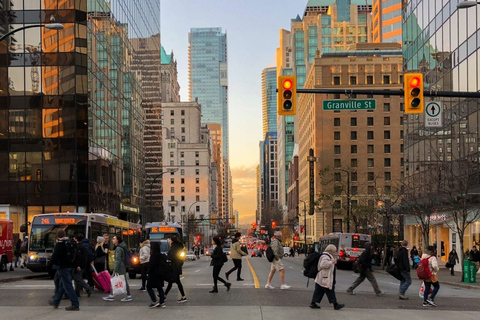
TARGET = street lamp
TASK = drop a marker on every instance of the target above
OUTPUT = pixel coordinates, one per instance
(151, 187)
(188, 221)
(52, 26)
(467, 4)
(304, 224)
(348, 197)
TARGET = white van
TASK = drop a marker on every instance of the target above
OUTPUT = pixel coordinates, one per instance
(286, 251)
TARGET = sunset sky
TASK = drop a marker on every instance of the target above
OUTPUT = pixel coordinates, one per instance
(252, 29)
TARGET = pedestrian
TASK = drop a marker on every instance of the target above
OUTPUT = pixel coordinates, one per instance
(292, 252)
(217, 263)
(100, 255)
(414, 255)
(61, 258)
(24, 253)
(18, 252)
(90, 251)
(175, 255)
(197, 252)
(236, 253)
(119, 267)
(81, 263)
(144, 259)
(475, 256)
(276, 264)
(403, 265)
(325, 279)
(433, 280)
(154, 264)
(366, 271)
(452, 261)
(106, 246)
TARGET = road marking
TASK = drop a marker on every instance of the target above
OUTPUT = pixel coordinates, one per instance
(197, 270)
(204, 284)
(181, 278)
(290, 267)
(254, 275)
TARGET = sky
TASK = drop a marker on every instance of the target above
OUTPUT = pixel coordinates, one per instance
(252, 28)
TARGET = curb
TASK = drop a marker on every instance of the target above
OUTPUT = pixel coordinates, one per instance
(37, 276)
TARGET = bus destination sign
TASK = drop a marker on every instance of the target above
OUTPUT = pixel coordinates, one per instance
(163, 229)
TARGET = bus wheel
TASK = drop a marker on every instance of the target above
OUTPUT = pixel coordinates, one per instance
(3, 264)
(132, 275)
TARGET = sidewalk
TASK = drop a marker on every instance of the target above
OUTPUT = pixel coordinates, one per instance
(19, 274)
(444, 277)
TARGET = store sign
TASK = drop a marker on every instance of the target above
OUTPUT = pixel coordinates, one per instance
(434, 218)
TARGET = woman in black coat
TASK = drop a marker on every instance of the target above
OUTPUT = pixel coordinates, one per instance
(174, 254)
(154, 278)
(217, 262)
(452, 261)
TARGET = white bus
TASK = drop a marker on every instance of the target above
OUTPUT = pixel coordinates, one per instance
(45, 226)
(349, 246)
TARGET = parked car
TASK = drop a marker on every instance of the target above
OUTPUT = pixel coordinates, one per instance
(226, 251)
(191, 256)
(286, 251)
(136, 268)
(256, 253)
(209, 252)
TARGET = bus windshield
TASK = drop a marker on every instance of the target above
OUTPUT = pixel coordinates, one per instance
(44, 231)
(359, 243)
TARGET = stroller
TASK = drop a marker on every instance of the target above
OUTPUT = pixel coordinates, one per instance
(416, 260)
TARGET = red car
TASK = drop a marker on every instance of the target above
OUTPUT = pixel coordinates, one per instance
(6, 244)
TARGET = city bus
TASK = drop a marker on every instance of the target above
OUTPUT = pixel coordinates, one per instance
(159, 231)
(349, 246)
(44, 228)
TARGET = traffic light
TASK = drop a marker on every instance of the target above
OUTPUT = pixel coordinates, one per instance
(296, 238)
(274, 224)
(287, 95)
(212, 219)
(413, 92)
(199, 237)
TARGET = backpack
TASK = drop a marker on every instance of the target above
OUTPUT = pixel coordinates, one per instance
(127, 258)
(357, 265)
(71, 251)
(310, 265)
(90, 252)
(423, 271)
(270, 254)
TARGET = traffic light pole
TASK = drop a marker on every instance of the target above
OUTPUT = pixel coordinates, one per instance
(451, 94)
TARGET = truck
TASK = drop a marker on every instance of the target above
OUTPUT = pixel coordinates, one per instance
(6, 244)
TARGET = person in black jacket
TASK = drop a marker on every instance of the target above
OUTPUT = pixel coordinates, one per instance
(403, 265)
(217, 262)
(61, 257)
(81, 264)
(452, 260)
(366, 272)
(154, 278)
(174, 254)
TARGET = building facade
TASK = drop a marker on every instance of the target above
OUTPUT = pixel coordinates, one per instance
(270, 178)
(170, 87)
(269, 100)
(387, 20)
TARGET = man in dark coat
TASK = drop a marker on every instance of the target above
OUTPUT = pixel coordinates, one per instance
(366, 272)
(175, 255)
(403, 265)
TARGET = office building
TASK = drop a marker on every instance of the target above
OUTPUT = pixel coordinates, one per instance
(387, 20)
(170, 87)
(269, 100)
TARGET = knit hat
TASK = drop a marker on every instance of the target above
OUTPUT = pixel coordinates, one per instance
(100, 239)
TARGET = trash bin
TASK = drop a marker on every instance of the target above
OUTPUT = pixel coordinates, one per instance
(470, 272)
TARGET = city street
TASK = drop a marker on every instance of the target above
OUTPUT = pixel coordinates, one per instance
(245, 300)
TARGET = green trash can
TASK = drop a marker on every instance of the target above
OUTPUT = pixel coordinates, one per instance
(470, 272)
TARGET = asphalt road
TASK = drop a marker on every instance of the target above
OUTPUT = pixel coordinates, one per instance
(197, 281)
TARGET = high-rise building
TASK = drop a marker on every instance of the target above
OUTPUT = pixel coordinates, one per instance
(387, 20)
(217, 161)
(269, 100)
(270, 177)
(170, 87)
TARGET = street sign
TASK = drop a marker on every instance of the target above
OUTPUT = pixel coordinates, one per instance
(433, 114)
(334, 105)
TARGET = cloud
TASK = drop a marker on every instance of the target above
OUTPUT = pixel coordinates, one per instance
(244, 180)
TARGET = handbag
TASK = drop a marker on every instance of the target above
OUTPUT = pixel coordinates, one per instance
(395, 272)
(119, 284)
(448, 265)
(422, 290)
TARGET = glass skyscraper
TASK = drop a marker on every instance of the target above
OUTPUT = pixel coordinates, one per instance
(387, 20)
(269, 100)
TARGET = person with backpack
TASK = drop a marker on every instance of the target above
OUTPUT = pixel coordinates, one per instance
(63, 258)
(236, 254)
(155, 262)
(427, 271)
(81, 264)
(120, 254)
(276, 264)
(325, 279)
(144, 259)
(365, 261)
(218, 259)
(403, 265)
(174, 254)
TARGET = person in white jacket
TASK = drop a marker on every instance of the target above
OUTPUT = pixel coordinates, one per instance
(325, 279)
(433, 281)
(144, 259)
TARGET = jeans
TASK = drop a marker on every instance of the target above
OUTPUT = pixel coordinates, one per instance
(369, 275)
(79, 282)
(65, 286)
(152, 294)
(320, 291)
(436, 287)
(216, 277)
(405, 282)
(17, 259)
(237, 266)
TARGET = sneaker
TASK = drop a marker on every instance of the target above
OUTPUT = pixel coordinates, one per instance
(228, 285)
(402, 297)
(182, 300)
(350, 292)
(240, 279)
(284, 286)
(127, 299)
(267, 286)
(154, 304)
(142, 289)
(72, 308)
(162, 305)
(109, 298)
(89, 293)
(426, 304)
(53, 304)
(313, 305)
(338, 306)
(380, 294)
(431, 302)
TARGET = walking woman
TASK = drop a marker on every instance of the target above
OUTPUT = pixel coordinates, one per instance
(144, 259)
(154, 278)
(100, 255)
(17, 252)
(452, 261)
(433, 281)
(414, 256)
(325, 279)
(174, 254)
(217, 262)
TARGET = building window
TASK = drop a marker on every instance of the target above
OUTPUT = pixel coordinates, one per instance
(172, 190)
(183, 130)
(353, 80)
(353, 135)
(337, 204)
(171, 154)
(172, 181)
(197, 163)
(353, 122)
(386, 148)
(370, 176)
(182, 112)
(370, 121)
(172, 121)
(182, 180)
(353, 149)
(197, 154)
(388, 189)
(172, 198)
(182, 163)
(353, 176)
(386, 121)
(197, 198)
(182, 172)
(183, 207)
(353, 191)
(387, 162)
(370, 162)
(171, 163)
(337, 176)
(182, 121)
(336, 149)
(369, 79)
(386, 134)
(172, 209)
(401, 134)
(172, 112)
(353, 163)
(370, 135)
(386, 79)
(336, 80)
(401, 147)
(183, 138)
(337, 190)
(182, 198)
(197, 208)
(197, 180)
(337, 163)
(336, 135)
(182, 189)
(388, 176)
(386, 107)
(370, 148)
(197, 171)
(182, 154)
(371, 190)
(336, 122)
(197, 189)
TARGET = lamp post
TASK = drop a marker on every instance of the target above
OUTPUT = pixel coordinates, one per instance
(467, 4)
(188, 222)
(305, 224)
(151, 187)
(348, 198)
(52, 26)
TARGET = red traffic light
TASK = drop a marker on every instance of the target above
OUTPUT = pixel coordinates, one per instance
(415, 82)
(287, 84)
(198, 237)
(274, 224)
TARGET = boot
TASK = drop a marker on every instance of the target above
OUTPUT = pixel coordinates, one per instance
(214, 290)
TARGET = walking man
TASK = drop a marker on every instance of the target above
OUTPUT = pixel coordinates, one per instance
(236, 255)
(81, 264)
(404, 268)
(366, 272)
(119, 267)
(276, 264)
